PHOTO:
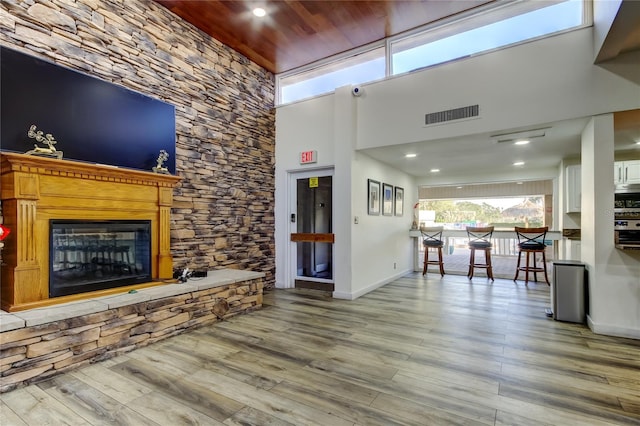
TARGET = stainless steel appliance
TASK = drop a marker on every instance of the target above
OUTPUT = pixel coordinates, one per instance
(627, 234)
(626, 223)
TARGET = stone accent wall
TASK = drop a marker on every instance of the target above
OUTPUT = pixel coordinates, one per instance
(223, 209)
(34, 353)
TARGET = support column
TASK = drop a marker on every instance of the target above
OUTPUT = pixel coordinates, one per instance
(613, 284)
(344, 122)
(597, 208)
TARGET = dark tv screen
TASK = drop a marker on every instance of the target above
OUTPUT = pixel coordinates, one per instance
(92, 120)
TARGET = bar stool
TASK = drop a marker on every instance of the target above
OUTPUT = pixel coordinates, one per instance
(480, 239)
(432, 239)
(531, 242)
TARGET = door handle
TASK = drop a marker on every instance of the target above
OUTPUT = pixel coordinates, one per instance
(313, 238)
(293, 218)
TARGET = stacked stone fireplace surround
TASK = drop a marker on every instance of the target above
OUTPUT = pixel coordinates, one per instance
(42, 335)
(222, 210)
(36, 345)
(222, 213)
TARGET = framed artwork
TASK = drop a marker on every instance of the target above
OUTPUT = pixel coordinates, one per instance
(399, 197)
(387, 199)
(373, 197)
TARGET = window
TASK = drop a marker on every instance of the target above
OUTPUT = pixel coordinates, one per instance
(367, 66)
(475, 35)
(495, 27)
(503, 213)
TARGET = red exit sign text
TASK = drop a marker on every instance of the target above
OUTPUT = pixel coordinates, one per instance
(307, 157)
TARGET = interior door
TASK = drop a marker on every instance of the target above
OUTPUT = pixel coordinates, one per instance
(312, 235)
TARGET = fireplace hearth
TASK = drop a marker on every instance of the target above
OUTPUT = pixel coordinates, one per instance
(97, 255)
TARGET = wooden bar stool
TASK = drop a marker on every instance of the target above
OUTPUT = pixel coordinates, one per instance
(480, 239)
(531, 242)
(432, 239)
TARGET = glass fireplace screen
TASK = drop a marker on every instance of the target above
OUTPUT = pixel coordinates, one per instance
(97, 255)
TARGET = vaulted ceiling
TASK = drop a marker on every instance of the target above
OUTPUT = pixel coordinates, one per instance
(298, 32)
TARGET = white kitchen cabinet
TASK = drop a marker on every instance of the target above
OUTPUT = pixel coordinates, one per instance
(569, 249)
(617, 172)
(626, 172)
(575, 250)
(573, 192)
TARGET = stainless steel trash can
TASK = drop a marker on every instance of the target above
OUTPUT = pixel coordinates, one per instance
(569, 291)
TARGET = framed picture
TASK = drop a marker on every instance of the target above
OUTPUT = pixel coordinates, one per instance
(387, 199)
(373, 197)
(399, 197)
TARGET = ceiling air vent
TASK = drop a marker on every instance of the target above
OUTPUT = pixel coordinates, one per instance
(452, 114)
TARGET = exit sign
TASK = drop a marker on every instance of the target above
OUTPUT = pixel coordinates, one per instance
(307, 157)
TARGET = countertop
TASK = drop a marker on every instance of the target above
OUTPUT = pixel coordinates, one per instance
(461, 233)
(571, 233)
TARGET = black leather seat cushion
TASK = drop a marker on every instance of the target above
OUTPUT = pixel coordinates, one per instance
(531, 245)
(431, 243)
(480, 244)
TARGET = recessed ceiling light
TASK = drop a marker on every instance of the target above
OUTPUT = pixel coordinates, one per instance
(435, 170)
(519, 163)
(259, 12)
(522, 142)
(411, 155)
(458, 187)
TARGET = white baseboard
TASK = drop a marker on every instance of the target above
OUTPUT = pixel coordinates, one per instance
(612, 330)
(362, 292)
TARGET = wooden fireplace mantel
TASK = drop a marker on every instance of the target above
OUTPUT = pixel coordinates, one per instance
(36, 189)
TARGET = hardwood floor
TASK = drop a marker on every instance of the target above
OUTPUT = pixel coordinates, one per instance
(418, 351)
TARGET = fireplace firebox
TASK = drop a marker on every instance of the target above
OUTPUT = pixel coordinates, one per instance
(88, 255)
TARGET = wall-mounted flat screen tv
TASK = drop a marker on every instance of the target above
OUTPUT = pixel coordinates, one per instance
(92, 120)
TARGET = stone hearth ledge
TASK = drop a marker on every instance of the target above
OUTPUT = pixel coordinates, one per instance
(33, 317)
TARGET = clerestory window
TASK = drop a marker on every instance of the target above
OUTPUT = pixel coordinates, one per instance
(495, 28)
(482, 33)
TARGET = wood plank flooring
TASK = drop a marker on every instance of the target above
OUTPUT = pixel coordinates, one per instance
(418, 351)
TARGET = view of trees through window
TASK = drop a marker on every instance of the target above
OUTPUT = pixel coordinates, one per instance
(503, 213)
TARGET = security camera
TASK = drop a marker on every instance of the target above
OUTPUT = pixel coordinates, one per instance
(356, 91)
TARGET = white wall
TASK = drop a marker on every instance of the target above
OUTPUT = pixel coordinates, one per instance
(305, 126)
(381, 248)
(535, 83)
(364, 254)
(604, 13)
(299, 127)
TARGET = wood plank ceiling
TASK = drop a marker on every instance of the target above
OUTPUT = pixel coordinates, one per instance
(297, 32)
